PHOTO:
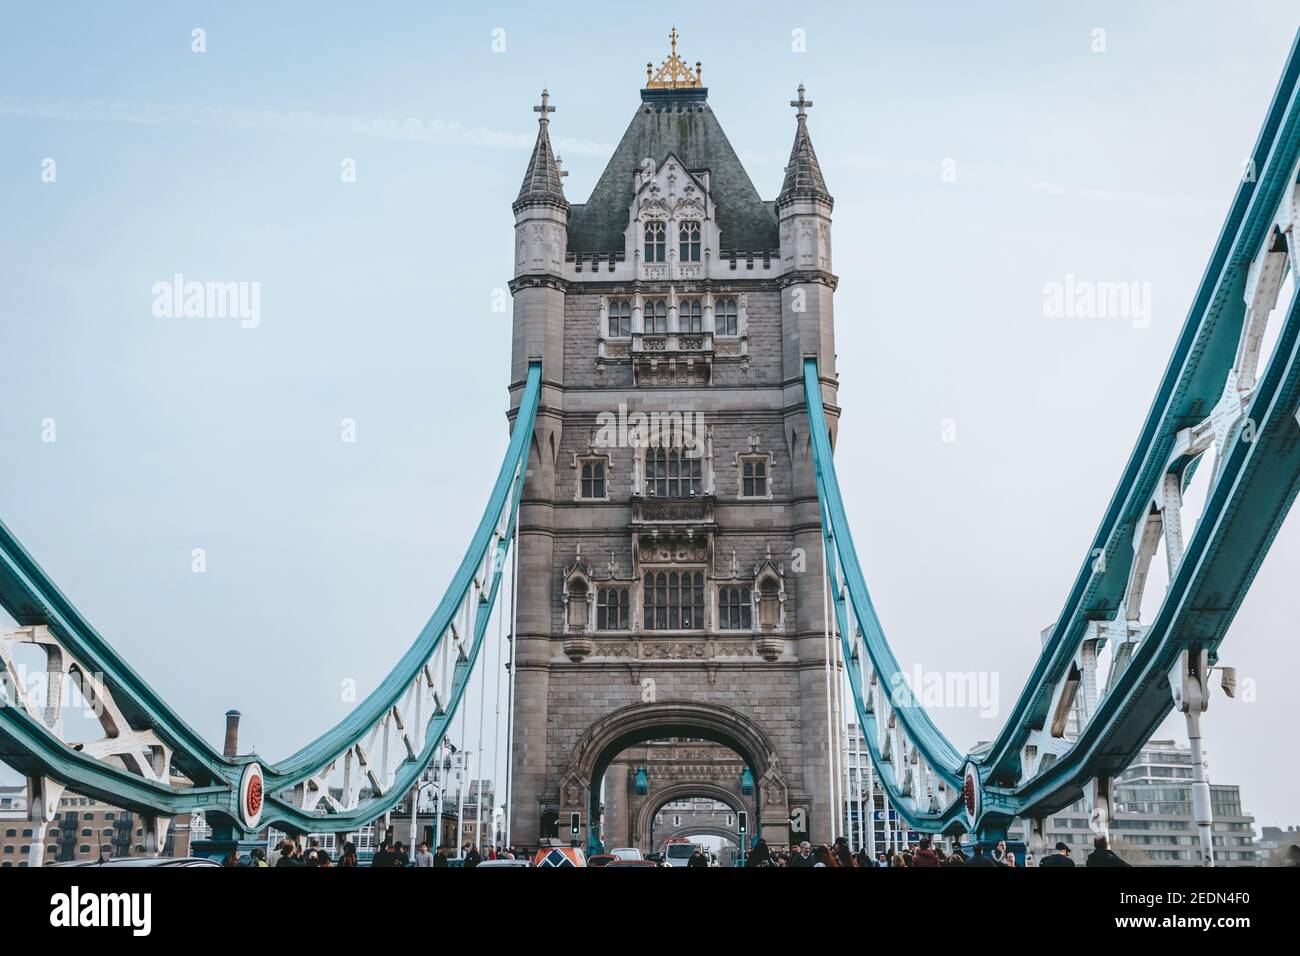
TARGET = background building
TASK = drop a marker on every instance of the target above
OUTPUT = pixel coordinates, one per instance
(1153, 821)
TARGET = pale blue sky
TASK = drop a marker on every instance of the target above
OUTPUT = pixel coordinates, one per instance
(325, 558)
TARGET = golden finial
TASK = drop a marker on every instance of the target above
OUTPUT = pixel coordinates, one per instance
(673, 73)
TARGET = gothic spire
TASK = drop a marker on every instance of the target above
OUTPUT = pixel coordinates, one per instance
(803, 175)
(543, 179)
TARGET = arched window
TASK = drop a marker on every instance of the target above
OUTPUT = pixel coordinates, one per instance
(673, 472)
(689, 234)
(620, 318)
(769, 605)
(673, 600)
(656, 242)
(734, 609)
(726, 318)
(690, 316)
(655, 317)
(577, 606)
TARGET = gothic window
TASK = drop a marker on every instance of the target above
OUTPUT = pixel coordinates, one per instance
(690, 317)
(673, 472)
(656, 242)
(674, 600)
(726, 318)
(620, 318)
(591, 480)
(769, 604)
(734, 609)
(753, 476)
(611, 609)
(689, 234)
(578, 606)
(655, 317)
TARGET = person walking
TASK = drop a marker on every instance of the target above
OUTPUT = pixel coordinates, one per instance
(843, 855)
(698, 859)
(924, 855)
(349, 856)
(1060, 858)
(759, 854)
(1000, 853)
(423, 858)
(288, 854)
(1103, 855)
(979, 859)
(822, 856)
(314, 853)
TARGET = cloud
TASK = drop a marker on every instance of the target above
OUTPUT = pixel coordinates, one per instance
(406, 128)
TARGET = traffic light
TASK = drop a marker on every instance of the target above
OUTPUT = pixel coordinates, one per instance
(743, 819)
(574, 824)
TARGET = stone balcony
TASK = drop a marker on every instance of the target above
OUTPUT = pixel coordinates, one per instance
(672, 358)
(672, 529)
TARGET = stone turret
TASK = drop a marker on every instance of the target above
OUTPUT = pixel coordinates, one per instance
(541, 234)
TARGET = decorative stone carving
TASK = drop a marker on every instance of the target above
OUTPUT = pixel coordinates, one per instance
(576, 648)
(672, 650)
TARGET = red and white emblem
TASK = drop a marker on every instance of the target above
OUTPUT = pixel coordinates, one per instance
(251, 796)
(970, 793)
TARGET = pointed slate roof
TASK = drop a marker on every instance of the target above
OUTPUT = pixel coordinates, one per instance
(803, 174)
(675, 121)
(542, 181)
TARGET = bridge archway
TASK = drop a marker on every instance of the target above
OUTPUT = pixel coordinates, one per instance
(722, 833)
(648, 838)
(635, 724)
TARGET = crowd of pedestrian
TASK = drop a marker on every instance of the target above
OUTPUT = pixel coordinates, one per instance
(389, 853)
(925, 854)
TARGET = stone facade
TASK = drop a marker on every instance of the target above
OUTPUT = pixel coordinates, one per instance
(670, 575)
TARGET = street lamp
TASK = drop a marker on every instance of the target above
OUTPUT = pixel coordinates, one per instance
(642, 782)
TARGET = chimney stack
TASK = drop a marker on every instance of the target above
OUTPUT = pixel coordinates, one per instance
(231, 746)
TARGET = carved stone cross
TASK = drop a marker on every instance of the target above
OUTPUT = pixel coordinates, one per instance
(545, 108)
(801, 105)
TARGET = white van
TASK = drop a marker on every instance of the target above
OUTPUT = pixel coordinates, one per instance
(679, 854)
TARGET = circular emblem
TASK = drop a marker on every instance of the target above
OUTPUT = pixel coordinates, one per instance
(970, 792)
(251, 795)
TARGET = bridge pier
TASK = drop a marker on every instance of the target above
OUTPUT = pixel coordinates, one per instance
(1096, 796)
(155, 833)
(1188, 682)
(1035, 836)
(42, 806)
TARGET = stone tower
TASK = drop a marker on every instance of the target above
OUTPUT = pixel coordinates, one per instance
(670, 560)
